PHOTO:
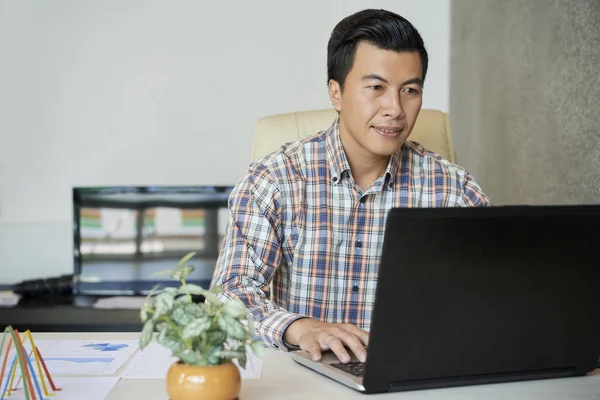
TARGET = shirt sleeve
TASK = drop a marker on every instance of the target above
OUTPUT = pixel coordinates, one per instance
(472, 195)
(251, 254)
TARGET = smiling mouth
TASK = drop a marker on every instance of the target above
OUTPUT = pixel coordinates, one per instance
(388, 131)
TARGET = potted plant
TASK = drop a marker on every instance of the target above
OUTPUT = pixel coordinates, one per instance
(204, 336)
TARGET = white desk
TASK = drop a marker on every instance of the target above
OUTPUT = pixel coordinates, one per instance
(282, 378)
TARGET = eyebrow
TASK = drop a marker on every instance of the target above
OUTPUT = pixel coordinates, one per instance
(418, 81)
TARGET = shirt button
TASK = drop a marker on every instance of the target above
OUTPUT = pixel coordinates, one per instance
(275, 345)
(363, 199)
(358, 243)
(355, 288)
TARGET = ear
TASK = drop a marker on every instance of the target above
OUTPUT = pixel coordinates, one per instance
(335, 94)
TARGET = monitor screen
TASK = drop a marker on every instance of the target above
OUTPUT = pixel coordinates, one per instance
(123, 235)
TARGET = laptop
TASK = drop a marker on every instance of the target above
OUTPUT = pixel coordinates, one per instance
(471, 296)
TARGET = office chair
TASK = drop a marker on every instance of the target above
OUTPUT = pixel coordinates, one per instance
(432, 130)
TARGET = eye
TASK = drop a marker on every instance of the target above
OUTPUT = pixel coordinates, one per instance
(411, 90)
(376, 87)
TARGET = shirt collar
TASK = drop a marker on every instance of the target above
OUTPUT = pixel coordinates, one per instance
(392, 169)
(335, 151)
(339, 162)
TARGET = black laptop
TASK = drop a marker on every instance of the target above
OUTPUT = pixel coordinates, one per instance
(480, 295)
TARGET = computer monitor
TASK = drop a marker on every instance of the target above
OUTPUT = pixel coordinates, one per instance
(123, 235)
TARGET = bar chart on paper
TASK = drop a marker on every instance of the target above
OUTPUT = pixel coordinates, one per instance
(84, 357)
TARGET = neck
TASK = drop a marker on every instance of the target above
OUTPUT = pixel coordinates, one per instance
(366, 167)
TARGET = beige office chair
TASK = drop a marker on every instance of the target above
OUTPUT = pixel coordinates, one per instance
(432, 130)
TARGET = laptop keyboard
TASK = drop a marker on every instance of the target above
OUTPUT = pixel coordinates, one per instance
(355, 368)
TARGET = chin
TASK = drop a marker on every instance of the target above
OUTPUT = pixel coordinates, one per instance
(388, 148)
(385, 152)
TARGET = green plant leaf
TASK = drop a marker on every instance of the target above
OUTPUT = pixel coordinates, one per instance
(163, 304)
(251, 325)
(181, 299)
(195, 328)
(162, 272)
(186, 258)
(161, 325)
(213, 355)
(189, 358)
(171, 290)
(183, 313)
(217, 289)
(232, 326)
(216, 337)
(171, 340)
(208, 295)
(144, 313)
(242, 360)
(235, 307)
(151, 292)
(182, 272)
(163, 329)
(149, 301)
(179, 316)
(238, 353)
(196, 310)
(258, 348)
(147, 332)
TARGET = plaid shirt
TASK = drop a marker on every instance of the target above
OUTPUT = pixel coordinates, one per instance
(298, 220)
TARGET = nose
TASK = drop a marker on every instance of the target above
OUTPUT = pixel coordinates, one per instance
(393, 105)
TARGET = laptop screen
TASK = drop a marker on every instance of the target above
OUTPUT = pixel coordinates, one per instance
(123, 235)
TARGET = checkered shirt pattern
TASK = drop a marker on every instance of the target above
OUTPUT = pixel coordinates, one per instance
(297, 220)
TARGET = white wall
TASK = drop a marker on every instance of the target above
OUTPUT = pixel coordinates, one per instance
(154, 92)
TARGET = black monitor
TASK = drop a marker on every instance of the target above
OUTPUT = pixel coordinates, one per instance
(123, 235)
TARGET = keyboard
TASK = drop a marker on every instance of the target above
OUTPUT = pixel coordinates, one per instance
(355, 368)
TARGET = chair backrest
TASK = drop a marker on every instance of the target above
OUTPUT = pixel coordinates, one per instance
(432, 130)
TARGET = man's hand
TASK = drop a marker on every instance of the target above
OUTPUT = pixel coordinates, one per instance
(316, 336)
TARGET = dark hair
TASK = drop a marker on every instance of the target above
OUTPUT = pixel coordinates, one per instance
(381, 28)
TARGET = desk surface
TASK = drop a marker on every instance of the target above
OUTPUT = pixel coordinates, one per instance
(283, 378)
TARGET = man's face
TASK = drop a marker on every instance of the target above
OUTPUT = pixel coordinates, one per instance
(380, 102)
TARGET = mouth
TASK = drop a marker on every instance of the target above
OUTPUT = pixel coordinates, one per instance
(388, 131)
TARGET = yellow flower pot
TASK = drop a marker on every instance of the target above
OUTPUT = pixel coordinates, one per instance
(189, 382)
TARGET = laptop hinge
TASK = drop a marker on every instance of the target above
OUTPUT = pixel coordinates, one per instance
(465, 380)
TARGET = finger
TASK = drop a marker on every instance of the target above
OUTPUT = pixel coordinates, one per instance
(362, 335)
(313, 347)
(337, 346)
(354, 343)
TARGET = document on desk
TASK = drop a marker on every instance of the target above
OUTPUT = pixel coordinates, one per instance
(154, 361)
(83, 357)
(96, 388)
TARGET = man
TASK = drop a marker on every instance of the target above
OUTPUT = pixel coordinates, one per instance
(310, 218)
